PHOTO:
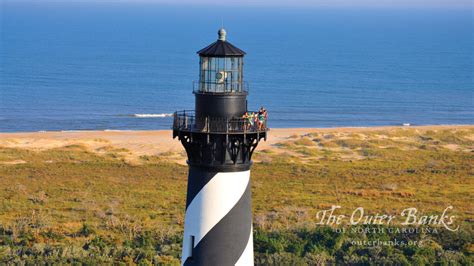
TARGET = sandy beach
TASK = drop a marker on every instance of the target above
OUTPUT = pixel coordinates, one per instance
(76, 188)
(160, 142)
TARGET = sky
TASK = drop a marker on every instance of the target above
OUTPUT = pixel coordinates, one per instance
(289, 3)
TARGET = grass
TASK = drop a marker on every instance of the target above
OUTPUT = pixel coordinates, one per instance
(73, 197)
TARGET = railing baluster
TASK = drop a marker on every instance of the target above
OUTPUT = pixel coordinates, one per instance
(187, 120)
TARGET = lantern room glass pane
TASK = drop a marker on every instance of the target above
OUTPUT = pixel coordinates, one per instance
(220, 74)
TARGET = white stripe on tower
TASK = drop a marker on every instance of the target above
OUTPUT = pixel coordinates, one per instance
(217, 206)
(247, 255)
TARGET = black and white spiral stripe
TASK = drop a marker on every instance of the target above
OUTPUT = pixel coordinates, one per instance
(218, 223)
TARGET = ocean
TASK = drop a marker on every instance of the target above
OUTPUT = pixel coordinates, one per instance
(128, 66)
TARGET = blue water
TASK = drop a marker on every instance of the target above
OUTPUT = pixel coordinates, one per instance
(93, 66)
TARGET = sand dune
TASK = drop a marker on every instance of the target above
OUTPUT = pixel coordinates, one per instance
(158, 142)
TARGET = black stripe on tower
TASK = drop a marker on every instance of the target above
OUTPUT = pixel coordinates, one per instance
(198, 177)
(224, 244)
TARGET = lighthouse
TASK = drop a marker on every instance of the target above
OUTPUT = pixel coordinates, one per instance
(219, 137)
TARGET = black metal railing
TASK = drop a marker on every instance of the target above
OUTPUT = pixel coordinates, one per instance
(187, 121)
(223, 87)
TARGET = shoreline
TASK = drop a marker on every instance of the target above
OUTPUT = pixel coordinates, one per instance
(271, 128)
(134, 144)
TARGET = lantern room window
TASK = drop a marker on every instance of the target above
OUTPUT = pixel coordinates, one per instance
(220, 67)
(221, 74)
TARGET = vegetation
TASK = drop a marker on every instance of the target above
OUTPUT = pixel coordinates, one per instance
(71, 205)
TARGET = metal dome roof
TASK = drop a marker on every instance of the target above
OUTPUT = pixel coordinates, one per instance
(221, 48)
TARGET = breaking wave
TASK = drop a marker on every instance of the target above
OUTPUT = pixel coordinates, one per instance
(151, 115)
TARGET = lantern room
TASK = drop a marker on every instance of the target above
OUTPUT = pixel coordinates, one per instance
(221, 68)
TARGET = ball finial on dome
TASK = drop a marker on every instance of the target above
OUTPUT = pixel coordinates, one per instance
(222, 33)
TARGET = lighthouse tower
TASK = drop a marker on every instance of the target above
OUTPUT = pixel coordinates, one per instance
(219, 143)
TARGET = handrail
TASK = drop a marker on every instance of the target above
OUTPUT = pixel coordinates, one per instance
(187, 121)
(224, 87)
